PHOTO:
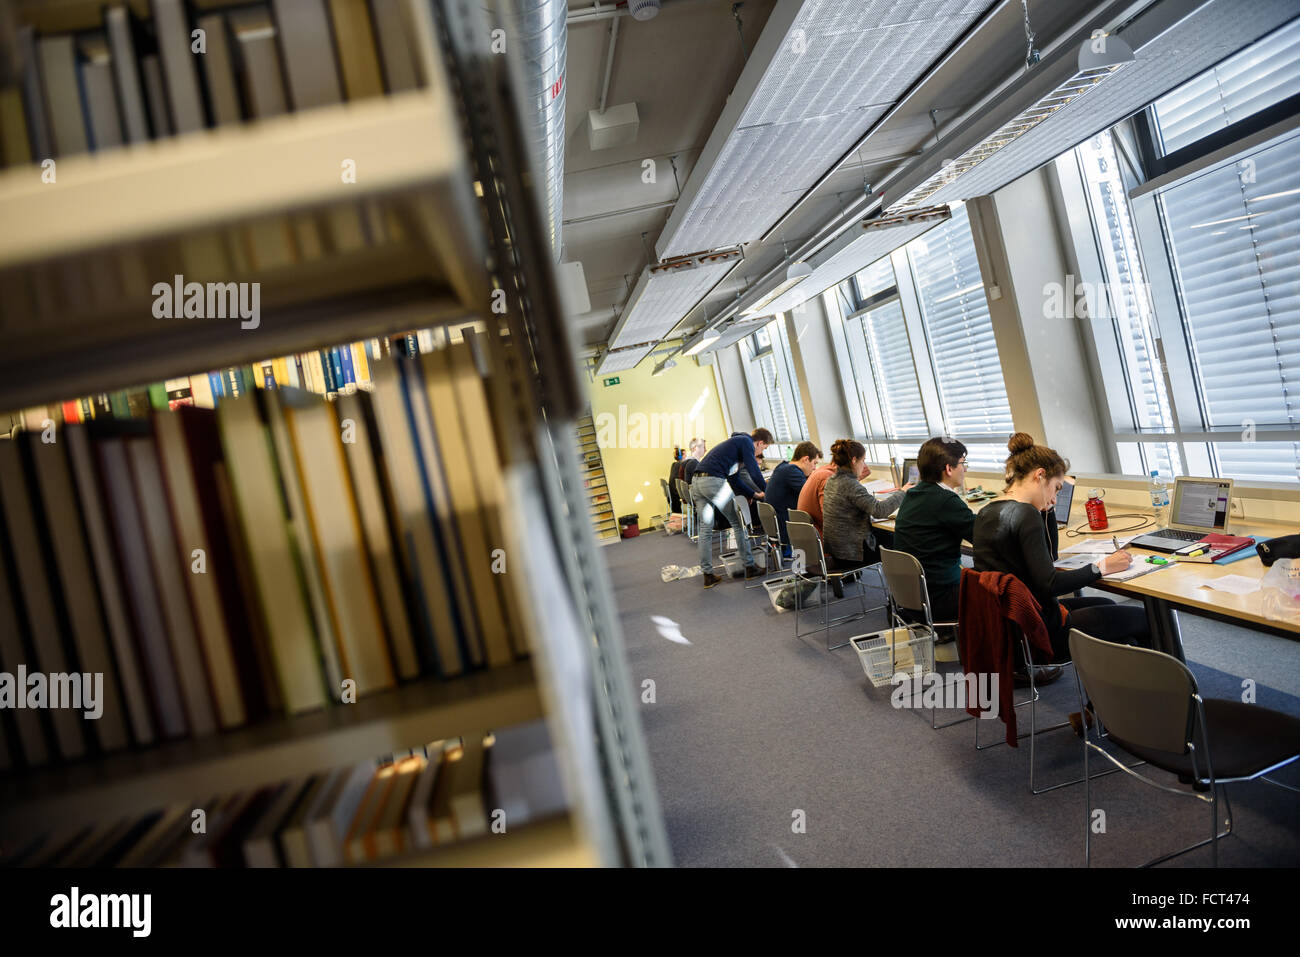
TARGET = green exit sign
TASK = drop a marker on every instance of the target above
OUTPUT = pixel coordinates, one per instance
(611, 381)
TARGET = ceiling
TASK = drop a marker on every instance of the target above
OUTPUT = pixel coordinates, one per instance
(680, 68)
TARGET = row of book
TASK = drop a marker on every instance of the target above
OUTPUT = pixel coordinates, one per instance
(181, 70)
(338, 370)
(277, 554)
(445, 793)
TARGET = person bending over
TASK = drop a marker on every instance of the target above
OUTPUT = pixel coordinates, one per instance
(714, 488)
(848, 508)
(787, 482)
(934, 519)
(1012, 536)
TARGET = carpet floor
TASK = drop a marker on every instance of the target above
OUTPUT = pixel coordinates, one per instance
(769, 750)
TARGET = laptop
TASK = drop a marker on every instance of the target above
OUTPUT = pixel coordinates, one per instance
(1064, 498)
(909, 473)
(1200, 507)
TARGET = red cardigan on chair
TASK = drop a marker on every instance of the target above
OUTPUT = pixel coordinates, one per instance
(988, 603)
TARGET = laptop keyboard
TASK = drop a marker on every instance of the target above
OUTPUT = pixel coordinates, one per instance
(1179, 534)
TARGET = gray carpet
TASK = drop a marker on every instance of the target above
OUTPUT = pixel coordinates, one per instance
(753, 731)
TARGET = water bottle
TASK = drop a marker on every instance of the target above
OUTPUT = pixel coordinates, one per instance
(1159, 489)
(1096, 511)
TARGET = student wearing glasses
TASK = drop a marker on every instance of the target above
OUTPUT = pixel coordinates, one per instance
(934, 519)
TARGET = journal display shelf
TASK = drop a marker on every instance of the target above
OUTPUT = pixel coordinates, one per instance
(601, 510)
(445, 168)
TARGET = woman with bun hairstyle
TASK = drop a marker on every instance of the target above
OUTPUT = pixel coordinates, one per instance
(848, 508)
(1011, 535)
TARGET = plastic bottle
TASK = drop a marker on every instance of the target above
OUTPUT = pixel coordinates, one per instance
(1159, 489)
(1096, 511)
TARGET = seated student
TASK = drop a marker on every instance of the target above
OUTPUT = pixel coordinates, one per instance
(1012, 536)
(715, 487)
(692, 461)
(810, 496)
(848, 508)
(788, 480)
(674, 473)
(933, 520)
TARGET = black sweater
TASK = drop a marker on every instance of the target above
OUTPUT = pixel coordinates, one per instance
(1014, 537)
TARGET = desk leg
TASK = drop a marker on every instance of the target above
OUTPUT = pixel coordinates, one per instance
(1162, 619)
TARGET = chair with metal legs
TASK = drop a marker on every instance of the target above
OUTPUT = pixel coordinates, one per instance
(688, 508)
(772, 537)
(663, 483)
(757, 539)
(1150, 707)
(809, 565)
(795, 515)
(905, 579)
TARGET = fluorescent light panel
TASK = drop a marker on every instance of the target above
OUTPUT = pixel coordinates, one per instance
(1210, 34)
(665, 293)
(808, 109)
(622, 361)
(735, 332)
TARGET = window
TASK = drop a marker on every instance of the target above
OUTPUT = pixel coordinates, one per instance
(963, 351)
(1235, 248)
(773, 388)
(1200, 268)
(1260, 76)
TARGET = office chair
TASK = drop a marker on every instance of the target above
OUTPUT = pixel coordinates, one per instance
(1150, 707)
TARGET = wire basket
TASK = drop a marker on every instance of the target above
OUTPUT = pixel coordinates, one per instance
(775, 586)
(886, 653)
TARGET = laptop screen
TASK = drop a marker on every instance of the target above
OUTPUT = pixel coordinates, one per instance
(1063, 499)
(1202, 504)
(910, 473)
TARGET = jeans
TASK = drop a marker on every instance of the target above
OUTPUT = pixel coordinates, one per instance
(709, 494)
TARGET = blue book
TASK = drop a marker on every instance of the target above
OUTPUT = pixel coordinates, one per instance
(349, 370)
(336, 369)
(215, 384)
(331, 387)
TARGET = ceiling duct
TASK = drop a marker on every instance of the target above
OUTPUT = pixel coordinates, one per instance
(666, 292)
(1172, 41)
(856, 249)
(822, 72)
(539, 29)
(730, 335)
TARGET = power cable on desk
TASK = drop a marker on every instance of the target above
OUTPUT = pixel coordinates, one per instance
(1083, 530)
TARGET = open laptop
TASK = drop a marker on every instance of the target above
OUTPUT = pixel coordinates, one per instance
(1200, 507)
(909, 472)
(1064, 498)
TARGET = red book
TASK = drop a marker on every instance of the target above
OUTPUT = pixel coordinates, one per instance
(1213, 548)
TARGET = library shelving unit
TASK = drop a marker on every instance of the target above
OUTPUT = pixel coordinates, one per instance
(601, 510)
(446, 168)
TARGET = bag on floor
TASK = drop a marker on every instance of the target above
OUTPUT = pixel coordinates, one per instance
(670, 573)
(795, 593)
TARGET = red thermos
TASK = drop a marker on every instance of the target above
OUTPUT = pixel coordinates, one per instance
(1096, 510)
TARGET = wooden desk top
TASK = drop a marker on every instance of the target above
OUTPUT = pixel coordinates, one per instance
(1181, 584)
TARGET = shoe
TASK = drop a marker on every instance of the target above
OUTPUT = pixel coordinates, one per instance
(752, 572)
(1043, 675)
(710, 580)
(1078, 720)
(836, 588)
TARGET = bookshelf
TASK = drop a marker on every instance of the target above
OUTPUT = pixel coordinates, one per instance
(601, 506)
(444, 170)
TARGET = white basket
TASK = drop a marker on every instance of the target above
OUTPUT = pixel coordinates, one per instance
(886, 653)
(774, 587)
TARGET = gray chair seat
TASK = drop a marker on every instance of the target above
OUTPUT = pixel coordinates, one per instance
(1245, 739)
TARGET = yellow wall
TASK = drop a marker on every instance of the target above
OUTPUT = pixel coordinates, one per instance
(639, 421)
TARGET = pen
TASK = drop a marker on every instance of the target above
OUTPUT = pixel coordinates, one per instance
(1115, 542)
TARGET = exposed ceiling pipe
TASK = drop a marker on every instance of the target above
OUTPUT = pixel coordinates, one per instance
(539, 29)
(609, 63)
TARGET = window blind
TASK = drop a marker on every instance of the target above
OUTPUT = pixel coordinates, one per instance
(1259, 76)
(890, 352)
(956, 318)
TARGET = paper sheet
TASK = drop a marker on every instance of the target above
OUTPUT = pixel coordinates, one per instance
(1136, 570)
(1097, 546)
(1234, 584)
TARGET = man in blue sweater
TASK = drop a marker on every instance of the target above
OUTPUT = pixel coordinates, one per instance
(787, 482)
(716, 484)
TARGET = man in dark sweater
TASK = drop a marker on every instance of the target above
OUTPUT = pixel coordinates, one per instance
(788, 480)
(934, 519)
(714, 488)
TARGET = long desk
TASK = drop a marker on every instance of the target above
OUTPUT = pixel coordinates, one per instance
(1178, 588)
